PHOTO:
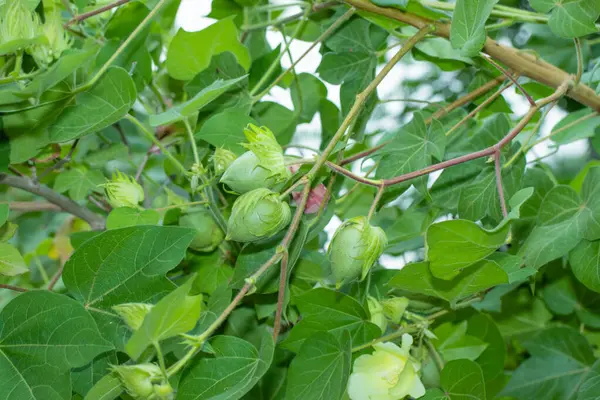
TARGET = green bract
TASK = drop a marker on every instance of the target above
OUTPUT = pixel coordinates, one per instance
(19, 29)
(394, 308)
(144, 382)
(208, 234)
(377, 313)
(355, 246)
(257, 215)
(222, 159)
(261, 167)
(123, 191)
(57, 41)
(133, 314)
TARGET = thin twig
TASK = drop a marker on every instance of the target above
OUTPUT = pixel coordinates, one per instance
(28, 206)
(499, 186)
(77, 19)
(316, 8)
(13, 288)
(376, 201)
(511, 77)
(59, 164)
(579, 61)
(56, 276)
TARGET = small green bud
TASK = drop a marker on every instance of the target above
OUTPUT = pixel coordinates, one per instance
(133, 314)
(376, 311)
(394, 308)
(355, 246)
(261, 167)
(208, 234)
(143, 381)
(222, 159)
(257, 215)
(58, 41)
(20, 28)
(123, 191)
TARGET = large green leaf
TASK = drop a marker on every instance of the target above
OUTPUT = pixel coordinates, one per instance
(590, 389)
(321, 368)
(577, 125)
(561, 358)
(124, 217)
(585, 263)
(336, 68)
(570, 19)
(417, 278)
(413, 148)
(231, 372)
(191, 52)
(467, 31)
(564, 219)
(105, 103)
(566, 296)
(460, 380)
(192, 106)
(78, 182)
(122, 266)
(42, 336)
(453, 342)
(326, 310)
(226, 130)
(175, 313)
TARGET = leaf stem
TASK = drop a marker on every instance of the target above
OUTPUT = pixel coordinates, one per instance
(92, 13)
(190, 133)
(157, 142)
(13, 288)
(376, 201)
(385, 338)
(499, 186)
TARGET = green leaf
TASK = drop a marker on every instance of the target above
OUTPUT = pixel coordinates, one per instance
(105, 103)
(11, 261)
(564, 219)
(281, 120)
(124, 217)
(84, 378)
(566, 296)
(560, 360)
(417, 278)
(79, 182)
(577, 125)
(226, 129)
(4, 211)
(590, 388)
(326, 310)
(313, 91)
(211, 277)
(235, 368)
(569, 19)
(453, 342)
(461, 380)
(107, 388)
(491, 360)
(467, 31)
(457, 244)
(522, 316)
(101, 157)
(413, 148)
(336, 68)
(321, 368)
(43, 336)
(124, 266)
(252, 257)
(191, 52)
(175, 313)
(190, 107)
(585, 263)
(353, 36)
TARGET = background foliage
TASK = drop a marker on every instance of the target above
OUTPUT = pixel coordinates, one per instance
(500, 246)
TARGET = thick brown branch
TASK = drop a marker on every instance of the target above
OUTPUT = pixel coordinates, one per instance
(68, 205)
(519, 62)
(28, 206)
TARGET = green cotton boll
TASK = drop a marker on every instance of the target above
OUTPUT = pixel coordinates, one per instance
(257, 215)
(208, 234)
(246, 174)
(355, 247)
(144, 381)
(57, 38)
(20, 28)
(394, 308)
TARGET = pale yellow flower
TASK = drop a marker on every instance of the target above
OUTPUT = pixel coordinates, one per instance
(388, 374)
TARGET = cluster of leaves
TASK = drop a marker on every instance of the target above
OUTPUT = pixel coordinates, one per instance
(502, 297)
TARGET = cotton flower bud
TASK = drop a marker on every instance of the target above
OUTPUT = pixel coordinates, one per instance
(19, 28)
(263, 166)
(123, 191)
(394, 308)
(355, 246)
(222, 159)
(133, 314)
(57, 41)
(208, 234)
(144, 382)
(390, 373)
(257, 215)
(376, 311)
